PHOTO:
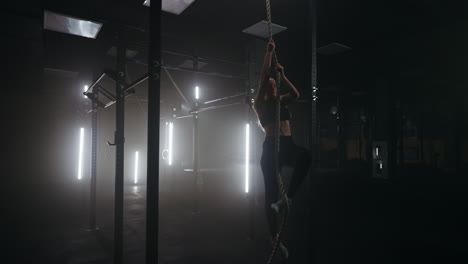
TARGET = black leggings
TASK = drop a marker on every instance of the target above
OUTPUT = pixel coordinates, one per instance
(290, 155)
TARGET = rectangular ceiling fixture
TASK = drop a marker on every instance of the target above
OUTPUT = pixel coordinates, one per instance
(70, 25)
(173, 6)
(261, 29)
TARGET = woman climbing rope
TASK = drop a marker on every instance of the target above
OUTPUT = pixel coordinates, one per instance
(289, 153)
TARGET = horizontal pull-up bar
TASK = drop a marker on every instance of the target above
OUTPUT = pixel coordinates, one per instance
(175, 118)
(240, 77)
(126, 95)
(170, 67)
(136, 82)
(97, 81)
(202, 58)
(145, 77)
(143, 45)
(195, 111)
(224, 98)
(106, 93)
(93, 98)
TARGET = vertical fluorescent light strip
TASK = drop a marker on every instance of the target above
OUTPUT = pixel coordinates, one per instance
(85, 90)
(166, 139)
(136, 167)
(197, 94)
(171, 131)
(247, 157)
(377, 151)
(80, 155)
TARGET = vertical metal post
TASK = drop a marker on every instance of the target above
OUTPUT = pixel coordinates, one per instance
(392, 133)
(314, 136)
(92, 192)
(421, 137)
(370, 138)
(154, 88)
(119, 143)
(458, 134)
(314, 141)
(361, 124)
(339, 129)
(401, 130)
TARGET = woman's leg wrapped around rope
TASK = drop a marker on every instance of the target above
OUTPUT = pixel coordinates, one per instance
(271, 186)
(271, 191)
(299, 159)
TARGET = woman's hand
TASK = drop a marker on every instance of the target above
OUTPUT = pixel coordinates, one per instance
(279, 68)
(271, 46)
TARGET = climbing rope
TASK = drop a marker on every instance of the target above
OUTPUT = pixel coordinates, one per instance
(277, 142)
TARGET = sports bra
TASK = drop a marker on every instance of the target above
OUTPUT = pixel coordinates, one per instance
(268, 113)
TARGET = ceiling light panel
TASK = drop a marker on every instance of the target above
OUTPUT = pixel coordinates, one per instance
(261, 29)
(70, 25)
(173, 6)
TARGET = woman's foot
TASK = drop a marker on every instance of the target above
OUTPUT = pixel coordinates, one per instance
(280, 205)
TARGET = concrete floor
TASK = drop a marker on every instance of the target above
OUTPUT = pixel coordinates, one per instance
(353, 219)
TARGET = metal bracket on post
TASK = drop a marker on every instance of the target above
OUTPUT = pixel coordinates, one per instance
(94, 99)
(117, 140)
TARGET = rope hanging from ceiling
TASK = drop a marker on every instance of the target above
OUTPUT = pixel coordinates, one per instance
(281, 188)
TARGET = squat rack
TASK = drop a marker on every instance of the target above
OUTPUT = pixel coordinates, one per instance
(123, 91)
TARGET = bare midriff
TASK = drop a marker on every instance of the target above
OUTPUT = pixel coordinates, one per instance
(285, 129)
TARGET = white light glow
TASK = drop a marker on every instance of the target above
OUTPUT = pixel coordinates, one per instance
(70, 25)
(136, 168)
(80, 155)
(171, 131)
(197, 93)
(377, 151)
(380, 165)
(247, 156)
(172, 6)
(85, 90)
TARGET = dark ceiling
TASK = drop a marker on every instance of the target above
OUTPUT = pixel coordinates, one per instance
(213, 28)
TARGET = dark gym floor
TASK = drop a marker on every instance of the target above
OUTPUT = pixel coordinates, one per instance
(354, 219)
